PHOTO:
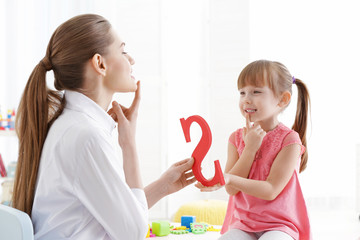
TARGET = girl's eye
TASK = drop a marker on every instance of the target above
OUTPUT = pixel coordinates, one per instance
(242, 93)
(257, 92)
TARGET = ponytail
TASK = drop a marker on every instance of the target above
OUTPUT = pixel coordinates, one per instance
(39, 107)
(300, 124)
(70, 47)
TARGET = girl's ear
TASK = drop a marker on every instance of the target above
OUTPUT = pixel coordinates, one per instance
(285, 99)
(98, 64)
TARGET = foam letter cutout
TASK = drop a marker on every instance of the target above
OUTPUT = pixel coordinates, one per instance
(201, 150)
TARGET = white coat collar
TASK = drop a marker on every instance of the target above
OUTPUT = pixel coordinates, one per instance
(79, 102)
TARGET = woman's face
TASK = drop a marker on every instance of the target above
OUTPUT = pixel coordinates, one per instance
(118, 76)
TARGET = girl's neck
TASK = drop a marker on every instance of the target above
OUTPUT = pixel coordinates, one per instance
(268, 125)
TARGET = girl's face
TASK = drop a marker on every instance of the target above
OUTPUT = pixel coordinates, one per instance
(260, 103)
(118, 76)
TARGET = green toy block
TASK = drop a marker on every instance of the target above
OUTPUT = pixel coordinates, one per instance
(161, 228)
(198, 228)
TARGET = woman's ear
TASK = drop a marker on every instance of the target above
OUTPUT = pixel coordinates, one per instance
(285, 99)
(98, 63)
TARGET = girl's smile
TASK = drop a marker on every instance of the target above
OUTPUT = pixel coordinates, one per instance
(260, 104)
(250, 110)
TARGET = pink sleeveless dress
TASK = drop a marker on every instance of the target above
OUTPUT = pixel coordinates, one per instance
(288, 211)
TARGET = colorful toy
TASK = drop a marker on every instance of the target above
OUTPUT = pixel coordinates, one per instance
(198, 228)
(148, 233)
(11, 119)
(2, 168)
(8, 121)
(178, 232)
(187, 220)
(180, 228)
(212, 229)
(161, 228)
(201, 149)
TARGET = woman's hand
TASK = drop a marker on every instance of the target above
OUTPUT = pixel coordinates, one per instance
(178, 176)
(253, 135)
(126, 119)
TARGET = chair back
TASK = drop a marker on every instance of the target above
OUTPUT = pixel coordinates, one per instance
(15, 224)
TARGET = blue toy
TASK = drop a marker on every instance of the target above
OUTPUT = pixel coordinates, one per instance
(186, 220)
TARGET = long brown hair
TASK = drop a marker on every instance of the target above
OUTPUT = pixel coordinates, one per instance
(278, 78)
(71, 46)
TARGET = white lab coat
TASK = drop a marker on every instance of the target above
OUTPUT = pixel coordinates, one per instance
(81, 191)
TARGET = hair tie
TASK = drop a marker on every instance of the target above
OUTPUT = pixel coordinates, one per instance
(45, 62)
(293, 80)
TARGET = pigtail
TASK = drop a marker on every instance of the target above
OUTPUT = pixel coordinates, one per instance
(300, 124)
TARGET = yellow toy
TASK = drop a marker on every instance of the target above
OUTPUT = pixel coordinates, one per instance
(181, 228)
(148, 233)
(212, 229)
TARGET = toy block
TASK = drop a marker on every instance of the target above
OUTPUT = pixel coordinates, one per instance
(161, 228)
(187, 220)
(198, 228)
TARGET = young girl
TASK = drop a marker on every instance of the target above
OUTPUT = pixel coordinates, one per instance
(69, 178)
(264, 159)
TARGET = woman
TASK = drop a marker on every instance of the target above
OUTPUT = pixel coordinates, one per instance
(69, 178)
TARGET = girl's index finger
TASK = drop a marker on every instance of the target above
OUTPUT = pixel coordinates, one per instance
(247, 116)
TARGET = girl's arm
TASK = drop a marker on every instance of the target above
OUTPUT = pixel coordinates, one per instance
(252, 136)
(234, 165)
(238, 166)
(281, 171)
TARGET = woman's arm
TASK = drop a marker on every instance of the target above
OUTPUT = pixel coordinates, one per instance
(281, 171)
(178, 176)
(102, 191)
(126, 119)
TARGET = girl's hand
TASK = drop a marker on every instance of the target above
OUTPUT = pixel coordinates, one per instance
(253, 135)
(126, 119)
(208, 189)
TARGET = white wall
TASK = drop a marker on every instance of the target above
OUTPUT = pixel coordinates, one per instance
(318, 41)
(188, 56)
(205, 84)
